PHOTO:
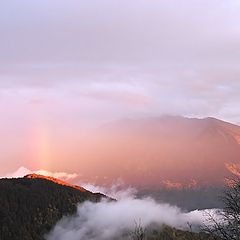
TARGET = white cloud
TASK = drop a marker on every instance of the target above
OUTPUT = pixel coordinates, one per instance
(22, 171)
(162, 57)
(109, 220)
(116, 191)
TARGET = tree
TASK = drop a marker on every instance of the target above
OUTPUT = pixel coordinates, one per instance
(139, 233)
(226, 223)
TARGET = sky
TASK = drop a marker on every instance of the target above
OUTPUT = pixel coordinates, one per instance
(69, 65)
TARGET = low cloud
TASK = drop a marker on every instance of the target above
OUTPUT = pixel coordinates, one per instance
(115, 219)
(61, 175)
(117, 191)
(22, 171)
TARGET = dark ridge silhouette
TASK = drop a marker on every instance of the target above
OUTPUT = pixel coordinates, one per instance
(31, 206)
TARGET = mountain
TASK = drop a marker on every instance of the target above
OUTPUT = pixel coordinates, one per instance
(31, 206)
(168, 152)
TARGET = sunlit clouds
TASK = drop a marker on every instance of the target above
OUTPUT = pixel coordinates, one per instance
(70, 66)
(124, 57)
(22, 171)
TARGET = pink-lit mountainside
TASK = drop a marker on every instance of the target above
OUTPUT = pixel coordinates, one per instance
(167, 152)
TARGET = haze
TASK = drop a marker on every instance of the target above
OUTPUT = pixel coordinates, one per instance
(68, 67)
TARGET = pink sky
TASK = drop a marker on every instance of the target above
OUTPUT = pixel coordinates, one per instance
(69, 66)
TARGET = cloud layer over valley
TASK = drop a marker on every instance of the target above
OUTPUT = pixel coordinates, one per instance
(115, 220)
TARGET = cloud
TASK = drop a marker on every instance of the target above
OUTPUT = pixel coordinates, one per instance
(110, 220)
(61, 175)
(117, 191)
(170, 30)
(107, 220)
(85, 63)
(233, 168)
(186, 59)
(22, 171)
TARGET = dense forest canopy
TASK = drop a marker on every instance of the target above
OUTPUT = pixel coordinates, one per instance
(29, 208)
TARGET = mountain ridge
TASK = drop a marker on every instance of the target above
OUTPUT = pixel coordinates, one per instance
(54, 180)
(165, 149)
(31, 206)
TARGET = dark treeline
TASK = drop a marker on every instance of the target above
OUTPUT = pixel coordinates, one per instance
(29, 208)
(168, 233)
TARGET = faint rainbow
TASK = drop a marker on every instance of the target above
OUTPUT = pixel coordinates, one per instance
(40, 145)
(43, 156)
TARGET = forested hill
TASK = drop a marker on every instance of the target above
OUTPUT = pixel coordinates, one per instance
(31, 206)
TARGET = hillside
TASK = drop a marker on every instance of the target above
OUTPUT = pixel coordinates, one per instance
(168, 233)
(168, 152)
(31, 206)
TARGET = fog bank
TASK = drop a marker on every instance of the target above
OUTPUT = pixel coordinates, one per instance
(111, 220)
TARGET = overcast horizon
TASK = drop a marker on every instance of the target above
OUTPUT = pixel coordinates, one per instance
(69, 65)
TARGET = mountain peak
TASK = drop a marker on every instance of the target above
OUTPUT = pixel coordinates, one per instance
(55, 180)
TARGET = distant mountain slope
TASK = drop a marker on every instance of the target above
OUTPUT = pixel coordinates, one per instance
(171, 152)
(31, 206)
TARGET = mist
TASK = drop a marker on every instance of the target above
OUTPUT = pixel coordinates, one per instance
(107, 220)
